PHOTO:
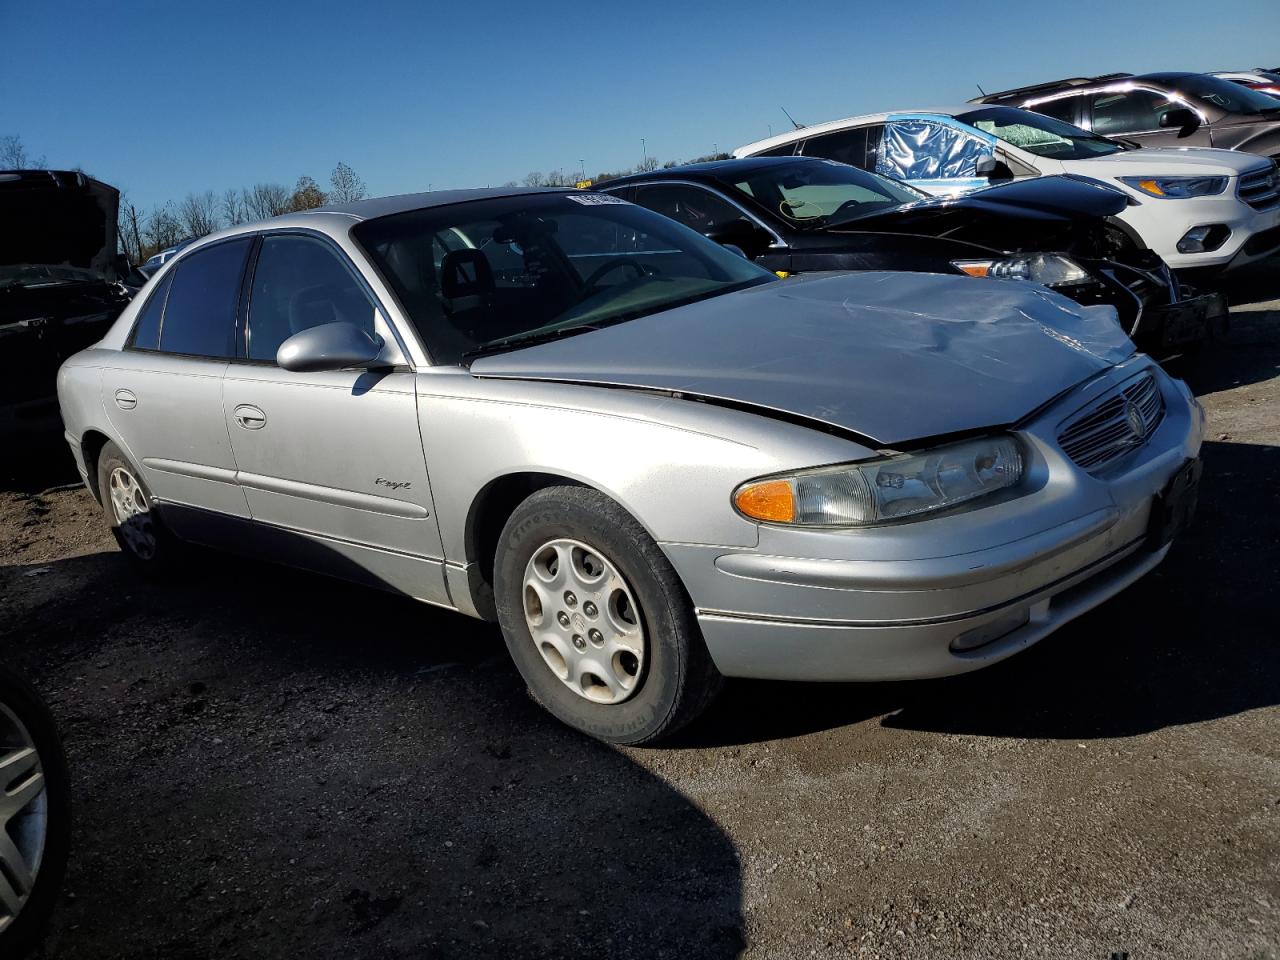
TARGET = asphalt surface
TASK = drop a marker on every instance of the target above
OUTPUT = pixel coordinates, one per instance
(270, 764)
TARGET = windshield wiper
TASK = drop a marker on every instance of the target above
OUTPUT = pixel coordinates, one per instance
(528, 340)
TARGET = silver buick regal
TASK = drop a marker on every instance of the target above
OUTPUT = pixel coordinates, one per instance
(654, 464)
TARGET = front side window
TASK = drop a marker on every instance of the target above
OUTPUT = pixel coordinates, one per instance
(542, 266)
(695, 207)
(200, 313)
(1038, 134)
(299, 283)
(821, 193)
(1130, 111)
(927, 150)
(857, 147)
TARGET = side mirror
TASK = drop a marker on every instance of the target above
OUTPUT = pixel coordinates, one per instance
(993, 169)
(1180, 118)
(330, 346)
(750, 239)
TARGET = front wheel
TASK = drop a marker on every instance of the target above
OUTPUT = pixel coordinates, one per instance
(596, 619)
(35, 816)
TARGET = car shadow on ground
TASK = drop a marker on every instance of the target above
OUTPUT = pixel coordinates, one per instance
(1195, 640)
(305, 768)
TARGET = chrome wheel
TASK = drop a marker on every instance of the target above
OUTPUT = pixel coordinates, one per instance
(24, 815)
(132, 513)
(584, 620)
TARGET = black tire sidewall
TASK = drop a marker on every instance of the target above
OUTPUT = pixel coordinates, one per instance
(666, 614)
(28, 928)
(110, 458)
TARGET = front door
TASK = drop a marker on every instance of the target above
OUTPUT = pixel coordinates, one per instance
(331, 462)
(1135, 115)
(164, 394)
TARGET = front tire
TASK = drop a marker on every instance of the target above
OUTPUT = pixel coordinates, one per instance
(35, 816)
(597, 621)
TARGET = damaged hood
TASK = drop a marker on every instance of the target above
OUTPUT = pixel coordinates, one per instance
(892, 356)
(57, 218)
(1059, 198)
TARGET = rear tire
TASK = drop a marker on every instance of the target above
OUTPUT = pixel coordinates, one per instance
(597, 621)
(38, 833)
(129, 509)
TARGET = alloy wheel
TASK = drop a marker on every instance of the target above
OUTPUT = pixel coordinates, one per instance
(24, 815)
(133, 513)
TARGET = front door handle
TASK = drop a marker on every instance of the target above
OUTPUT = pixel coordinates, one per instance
(125, 399)
(249, 417)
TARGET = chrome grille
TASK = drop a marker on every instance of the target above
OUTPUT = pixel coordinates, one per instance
(1104, 430)
(1260, 188)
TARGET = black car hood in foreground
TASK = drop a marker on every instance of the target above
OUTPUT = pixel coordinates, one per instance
(894, 357)
(1038, 198)
(57, 217)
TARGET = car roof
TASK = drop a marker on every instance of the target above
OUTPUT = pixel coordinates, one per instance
(713, 169)
(829, 126)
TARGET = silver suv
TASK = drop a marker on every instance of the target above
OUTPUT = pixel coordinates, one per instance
(654, 463)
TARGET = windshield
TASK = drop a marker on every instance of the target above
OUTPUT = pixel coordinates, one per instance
(1038, 134)
(1225, 95)
(817, 193)
(495, 274)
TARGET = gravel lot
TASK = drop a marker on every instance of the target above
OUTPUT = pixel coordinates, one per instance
(269, 764)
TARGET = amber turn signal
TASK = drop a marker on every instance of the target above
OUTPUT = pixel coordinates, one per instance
(769, 500)
(975, 268)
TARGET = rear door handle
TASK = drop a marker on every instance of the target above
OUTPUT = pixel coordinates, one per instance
(249, 417)
(125, 399)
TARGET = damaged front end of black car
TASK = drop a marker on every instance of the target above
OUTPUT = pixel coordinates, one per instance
(62, 285)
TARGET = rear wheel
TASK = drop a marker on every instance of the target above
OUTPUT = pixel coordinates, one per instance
(128, 507)
(596, 619)
(35, 816)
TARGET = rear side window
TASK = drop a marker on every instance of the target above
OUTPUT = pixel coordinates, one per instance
(1064, 109)
(146, 331)
(200, 315)
(300, 283)
(694, 207)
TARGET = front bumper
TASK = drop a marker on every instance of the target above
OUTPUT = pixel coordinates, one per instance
(953, 593)
(1254, 234)
(1168, 328)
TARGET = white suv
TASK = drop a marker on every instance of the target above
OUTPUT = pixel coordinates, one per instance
(1196, 207)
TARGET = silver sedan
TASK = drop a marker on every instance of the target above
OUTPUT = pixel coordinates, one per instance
(652, 462)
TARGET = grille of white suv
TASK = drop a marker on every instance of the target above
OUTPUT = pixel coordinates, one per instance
(1107, 429)
(1260, 188)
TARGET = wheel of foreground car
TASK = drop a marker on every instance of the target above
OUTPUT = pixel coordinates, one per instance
(126, 502)
(597, 621)
(35, 816)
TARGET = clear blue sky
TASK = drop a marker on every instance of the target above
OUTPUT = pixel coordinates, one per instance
(165, 98)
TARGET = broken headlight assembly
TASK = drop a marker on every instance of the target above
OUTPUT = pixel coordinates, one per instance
(1050, 269)
(886, 490)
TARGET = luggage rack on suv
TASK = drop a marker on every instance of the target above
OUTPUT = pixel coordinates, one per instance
(1019, 92)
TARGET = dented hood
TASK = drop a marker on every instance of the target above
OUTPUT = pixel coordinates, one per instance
(892, 356)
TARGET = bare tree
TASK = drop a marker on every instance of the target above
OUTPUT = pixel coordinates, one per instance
(198, 213)
(345, 185)
(647, 165)
(266, 200)
(233, 207)
(307, 195)
(14, 156)
(163, 228)
(129, 228)
(535, 179)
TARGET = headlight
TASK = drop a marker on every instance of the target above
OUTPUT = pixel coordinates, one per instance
(1051, 269)
(1177, 188)
(882, 491)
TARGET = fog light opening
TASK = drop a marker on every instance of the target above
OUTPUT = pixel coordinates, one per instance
(1204, 239)
(991, 631)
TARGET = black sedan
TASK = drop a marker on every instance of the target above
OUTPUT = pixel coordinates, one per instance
(799, 214)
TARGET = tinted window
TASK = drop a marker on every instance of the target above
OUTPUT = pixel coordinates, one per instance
(1063, 109)
(696, 208)
(1130, 111)
(200, 315)
(854, 147)
(542, 266)
(146, 332)
(786, 150)
(1227, 96)
(299, 283)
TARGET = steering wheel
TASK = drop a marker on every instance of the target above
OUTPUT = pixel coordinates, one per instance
(612, 265)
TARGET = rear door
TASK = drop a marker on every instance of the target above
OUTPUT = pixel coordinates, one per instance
(331, 462)
(164, 395)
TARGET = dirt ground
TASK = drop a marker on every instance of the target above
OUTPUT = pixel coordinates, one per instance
(269, 764)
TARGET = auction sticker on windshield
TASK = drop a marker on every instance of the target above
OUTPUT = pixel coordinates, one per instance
(595, 199)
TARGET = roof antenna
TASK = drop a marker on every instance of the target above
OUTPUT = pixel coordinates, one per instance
(980, 90)
(798, 126)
